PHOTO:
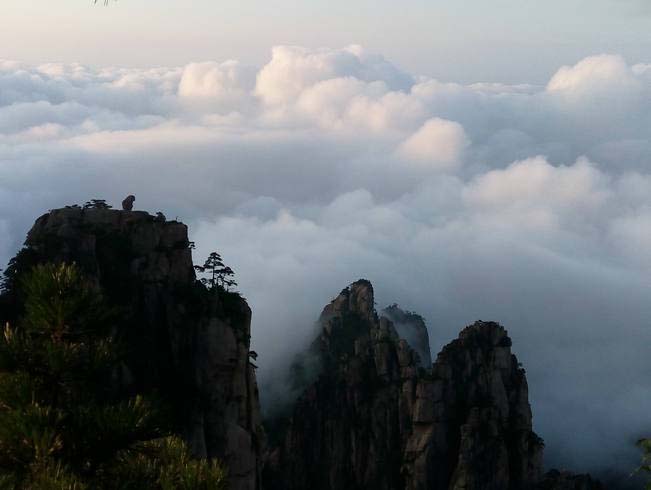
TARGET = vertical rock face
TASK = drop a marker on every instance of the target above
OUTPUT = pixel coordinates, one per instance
(377, 414)
(347, 430)
(477, 432)
(188, 343)
(375, 418)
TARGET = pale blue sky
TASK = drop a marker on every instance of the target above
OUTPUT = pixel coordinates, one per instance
(463, 40)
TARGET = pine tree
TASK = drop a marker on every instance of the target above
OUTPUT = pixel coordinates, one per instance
(219, 274)
(645, 466)
(62, 426)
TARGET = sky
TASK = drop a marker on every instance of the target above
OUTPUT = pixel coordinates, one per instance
(473, 163)
(515, 41)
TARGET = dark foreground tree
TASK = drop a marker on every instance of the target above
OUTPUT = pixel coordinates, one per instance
(62, 424)
(645, 466)
(218, 274)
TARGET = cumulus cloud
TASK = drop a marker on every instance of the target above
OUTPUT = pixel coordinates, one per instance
(437, 143)
(214, 86)
(523, 204)
(595, 74)
(292, 69)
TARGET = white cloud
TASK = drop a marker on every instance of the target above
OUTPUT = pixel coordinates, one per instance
(579, 189)
(217, 86)
(595, 74)
(438, 144)
(292, 69)
(328, 165)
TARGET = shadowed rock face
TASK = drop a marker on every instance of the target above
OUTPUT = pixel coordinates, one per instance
(347, 428)
(479, 419)
(411, 327)
(375, 419)
(187, 343)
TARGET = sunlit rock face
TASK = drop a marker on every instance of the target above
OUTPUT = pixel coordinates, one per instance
(184, 342)
(377, 417)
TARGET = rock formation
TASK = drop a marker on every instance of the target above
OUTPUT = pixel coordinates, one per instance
(375, 418)
(127, 202)
(411, 327)
(479, 419)
(372, 412)
(189, 344)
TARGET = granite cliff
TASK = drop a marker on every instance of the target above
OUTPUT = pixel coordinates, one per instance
(377, 417)
(187, 343)
(372, 410)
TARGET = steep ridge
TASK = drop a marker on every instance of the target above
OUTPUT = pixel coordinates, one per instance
(347, 428)
(373, 412)
(376, 418)
(189, 344)
(479, 421)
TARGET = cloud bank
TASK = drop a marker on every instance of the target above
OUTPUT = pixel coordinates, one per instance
(529, 205)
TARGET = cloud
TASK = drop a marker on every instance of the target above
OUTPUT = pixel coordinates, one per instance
(595, 74)
(530, 205)
(293, 69)
(437, 143)
(217, 86)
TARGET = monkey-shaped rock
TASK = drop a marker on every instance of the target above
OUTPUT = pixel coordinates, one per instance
(127, 204)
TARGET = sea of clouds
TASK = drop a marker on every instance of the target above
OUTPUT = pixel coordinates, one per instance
(528, 205)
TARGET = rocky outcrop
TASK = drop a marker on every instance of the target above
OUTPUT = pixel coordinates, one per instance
(347, 430)
(373, 411)
(411, 327)
(477, 432)
(374, 417)
(189, 344)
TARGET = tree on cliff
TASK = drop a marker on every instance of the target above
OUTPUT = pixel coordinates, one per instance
(219, 274)
(645, 466)
(62, 424)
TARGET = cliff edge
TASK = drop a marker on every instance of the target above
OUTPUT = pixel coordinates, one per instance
(185, 342)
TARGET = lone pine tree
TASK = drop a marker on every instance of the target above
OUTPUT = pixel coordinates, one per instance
(219, 274)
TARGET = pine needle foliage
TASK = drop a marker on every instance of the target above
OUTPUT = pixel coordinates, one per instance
(645, 466)
(219, 275)
(62, 426)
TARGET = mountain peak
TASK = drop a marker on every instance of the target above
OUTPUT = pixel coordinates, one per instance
(358, 298)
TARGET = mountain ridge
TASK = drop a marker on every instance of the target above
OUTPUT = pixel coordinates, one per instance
(372, 409)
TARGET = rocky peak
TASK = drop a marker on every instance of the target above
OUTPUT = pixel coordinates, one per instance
(478, 420)
(186, 342)
(357, 299)
(100, 240)
(346, 427)
(374, 418)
